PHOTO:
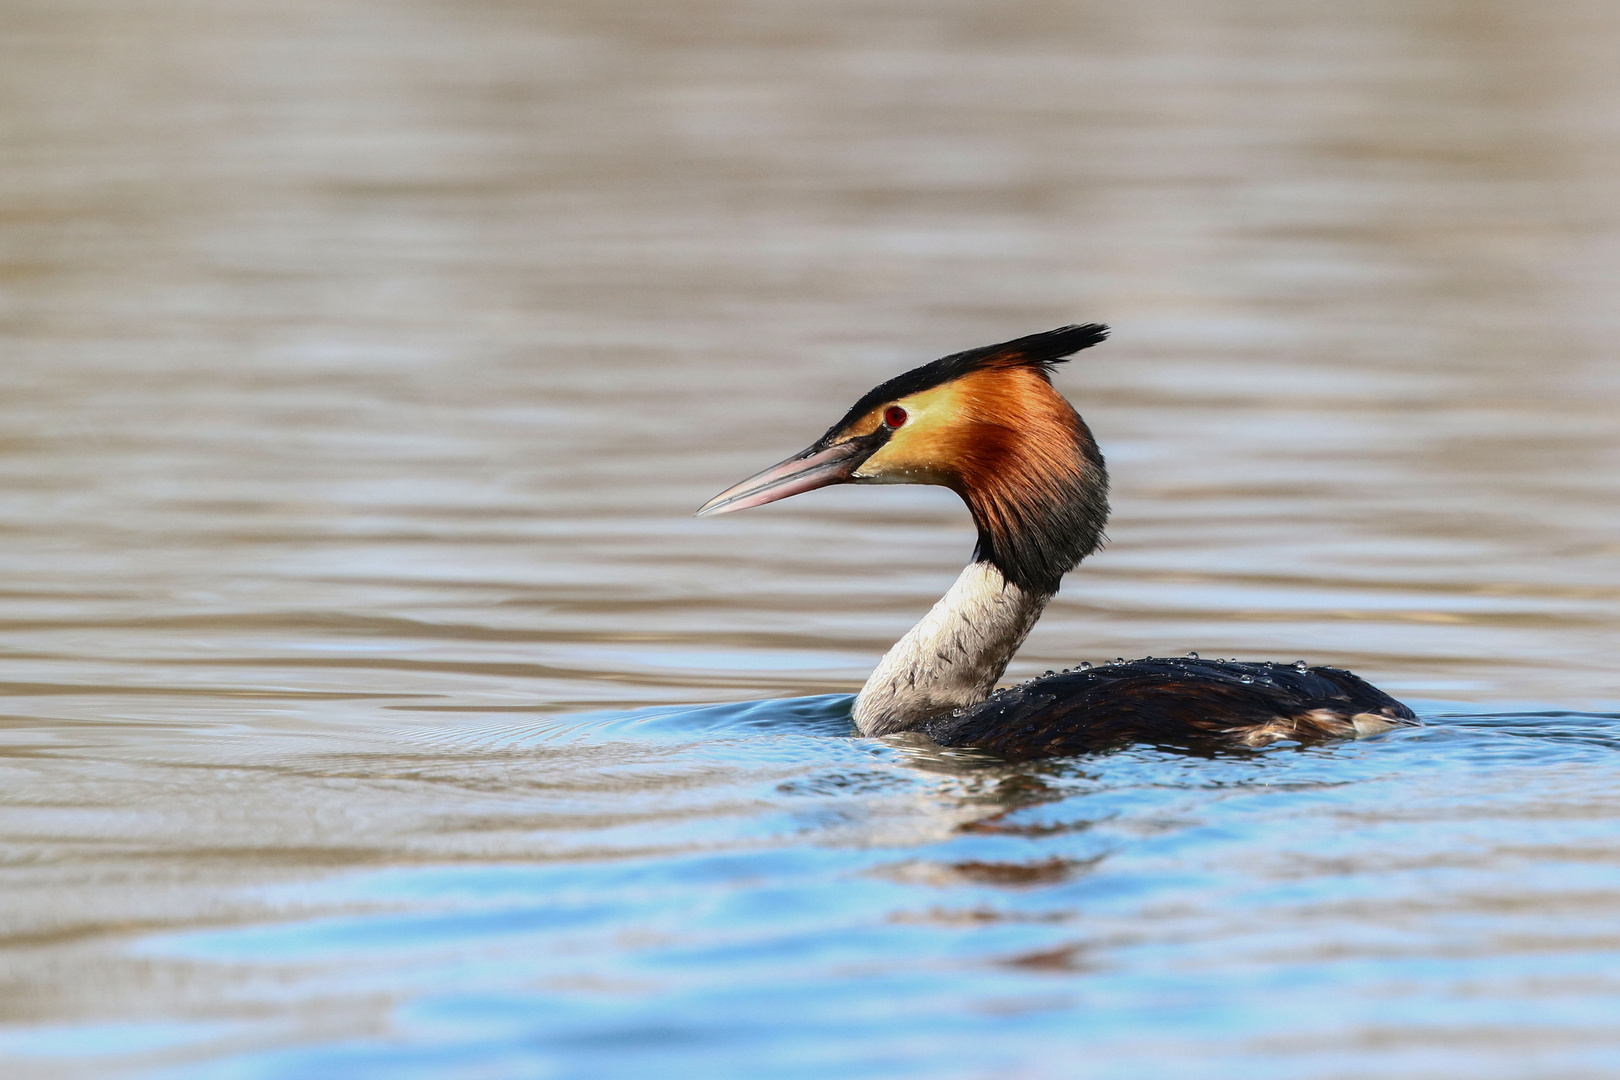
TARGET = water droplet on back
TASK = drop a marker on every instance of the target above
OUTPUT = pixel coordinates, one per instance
(1247, 679)
(1085, 665)
(1300, 665)
(1050, 673)
(1119, 659)
(1192, 656)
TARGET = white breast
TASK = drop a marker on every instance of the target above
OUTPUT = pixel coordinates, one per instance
(953, 657)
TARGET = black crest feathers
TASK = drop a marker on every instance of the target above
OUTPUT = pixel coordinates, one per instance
(1042, 352)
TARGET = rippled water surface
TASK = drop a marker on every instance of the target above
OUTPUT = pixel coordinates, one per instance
(373, 706)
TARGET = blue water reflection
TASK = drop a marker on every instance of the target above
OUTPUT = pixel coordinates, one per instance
(1140, 913)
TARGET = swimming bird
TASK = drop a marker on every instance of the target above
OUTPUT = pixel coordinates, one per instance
(989, 425)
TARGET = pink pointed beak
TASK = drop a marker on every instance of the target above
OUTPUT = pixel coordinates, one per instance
(805, 471)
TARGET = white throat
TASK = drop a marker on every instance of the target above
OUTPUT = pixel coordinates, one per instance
(953, 657)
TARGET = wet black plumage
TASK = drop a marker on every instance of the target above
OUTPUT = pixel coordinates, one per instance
(1173, 702)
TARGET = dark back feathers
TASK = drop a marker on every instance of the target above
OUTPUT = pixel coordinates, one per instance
(1171, 702)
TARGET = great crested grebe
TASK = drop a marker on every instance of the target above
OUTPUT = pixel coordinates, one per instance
(988, 424)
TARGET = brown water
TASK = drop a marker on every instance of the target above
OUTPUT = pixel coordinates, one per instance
(361, 364)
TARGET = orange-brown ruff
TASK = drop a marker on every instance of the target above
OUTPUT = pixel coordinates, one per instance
(1016, 453)
(988, 424)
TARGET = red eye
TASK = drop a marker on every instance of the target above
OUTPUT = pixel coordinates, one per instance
(894, 416)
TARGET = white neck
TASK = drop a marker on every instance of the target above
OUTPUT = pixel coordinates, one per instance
(953, 657)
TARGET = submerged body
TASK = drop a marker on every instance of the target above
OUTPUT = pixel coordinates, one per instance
(988, 424)
(1171, 702)
(940, 680)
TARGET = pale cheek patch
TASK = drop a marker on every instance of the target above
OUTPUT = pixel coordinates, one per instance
(923, 450)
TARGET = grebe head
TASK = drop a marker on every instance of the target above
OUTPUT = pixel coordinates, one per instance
(985, 423)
